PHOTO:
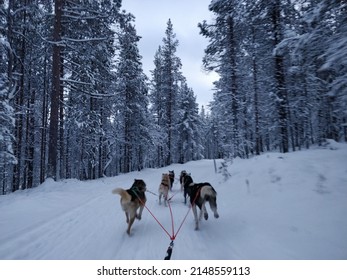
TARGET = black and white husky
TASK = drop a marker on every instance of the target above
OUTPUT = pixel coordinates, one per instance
(199, 194)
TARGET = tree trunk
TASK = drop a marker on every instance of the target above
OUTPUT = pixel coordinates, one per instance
(256, 97)
(19, 126)
(54, 108)
(280, 79)
(44, 125)
(233, 87)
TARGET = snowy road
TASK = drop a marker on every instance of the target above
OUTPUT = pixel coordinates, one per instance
(273, 206)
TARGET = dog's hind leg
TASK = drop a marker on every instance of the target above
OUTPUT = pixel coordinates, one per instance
(213, 205)
(203, 211)
(139, 215)
(165, 199)
(132, 215)
(131, 221)
(186, 193)
(127, 217)
(185, 196)
(195, 217)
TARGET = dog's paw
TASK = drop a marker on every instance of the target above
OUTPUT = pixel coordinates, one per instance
(206, 216)
(216, 215)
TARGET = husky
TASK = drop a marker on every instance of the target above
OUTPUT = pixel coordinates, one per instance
(182, 182)
(164, 188)
(199, 194)
(172, 178)
(131, 200)
(183, 173)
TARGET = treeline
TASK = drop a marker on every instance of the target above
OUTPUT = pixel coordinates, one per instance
(75, 102)
(283, 74)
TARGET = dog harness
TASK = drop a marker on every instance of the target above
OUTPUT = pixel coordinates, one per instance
(134, 193)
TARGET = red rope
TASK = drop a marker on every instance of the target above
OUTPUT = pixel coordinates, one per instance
(156, 220)
(172, 221)
(173, 236)
(185, 217)
(172, 196)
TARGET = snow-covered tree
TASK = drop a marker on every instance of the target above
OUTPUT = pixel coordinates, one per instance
(281, 71)
(157, 109)
(166, 81)
(188, 139)
(88, 79)
(222, 55)
(174, 107)
(335, 67)
(132, 101)
(6, 128)
(7, 120)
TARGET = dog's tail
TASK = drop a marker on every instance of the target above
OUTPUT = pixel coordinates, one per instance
(123, 193)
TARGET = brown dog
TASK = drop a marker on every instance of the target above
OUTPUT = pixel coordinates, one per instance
(164, 188)
(131, 200)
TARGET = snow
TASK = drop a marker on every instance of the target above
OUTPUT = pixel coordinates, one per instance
(273, 206)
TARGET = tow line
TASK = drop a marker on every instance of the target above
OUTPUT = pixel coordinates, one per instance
(173, 235)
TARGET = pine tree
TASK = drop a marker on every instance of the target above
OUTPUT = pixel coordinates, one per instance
(272, 91)
(171, 78)
(132, 100)
(280, 86)
(177, 134)
(335, 67)
(188, 143)
(157, 99)
(56, 90)
(221, 55)
(89, 81)
(7, 120)
(6, 128)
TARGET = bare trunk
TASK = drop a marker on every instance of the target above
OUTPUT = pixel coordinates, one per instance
(54, 108)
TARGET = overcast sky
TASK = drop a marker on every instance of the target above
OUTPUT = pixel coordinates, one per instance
(151, 22)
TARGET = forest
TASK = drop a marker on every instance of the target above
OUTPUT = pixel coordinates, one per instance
(76, 103)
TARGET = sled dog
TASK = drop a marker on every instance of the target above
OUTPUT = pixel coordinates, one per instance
(183, 173)
(185, 185)
(199, 194)
(172, 178)
(131, 200)
(164, 188)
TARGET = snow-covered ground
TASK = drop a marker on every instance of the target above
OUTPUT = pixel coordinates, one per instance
(273, 206)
